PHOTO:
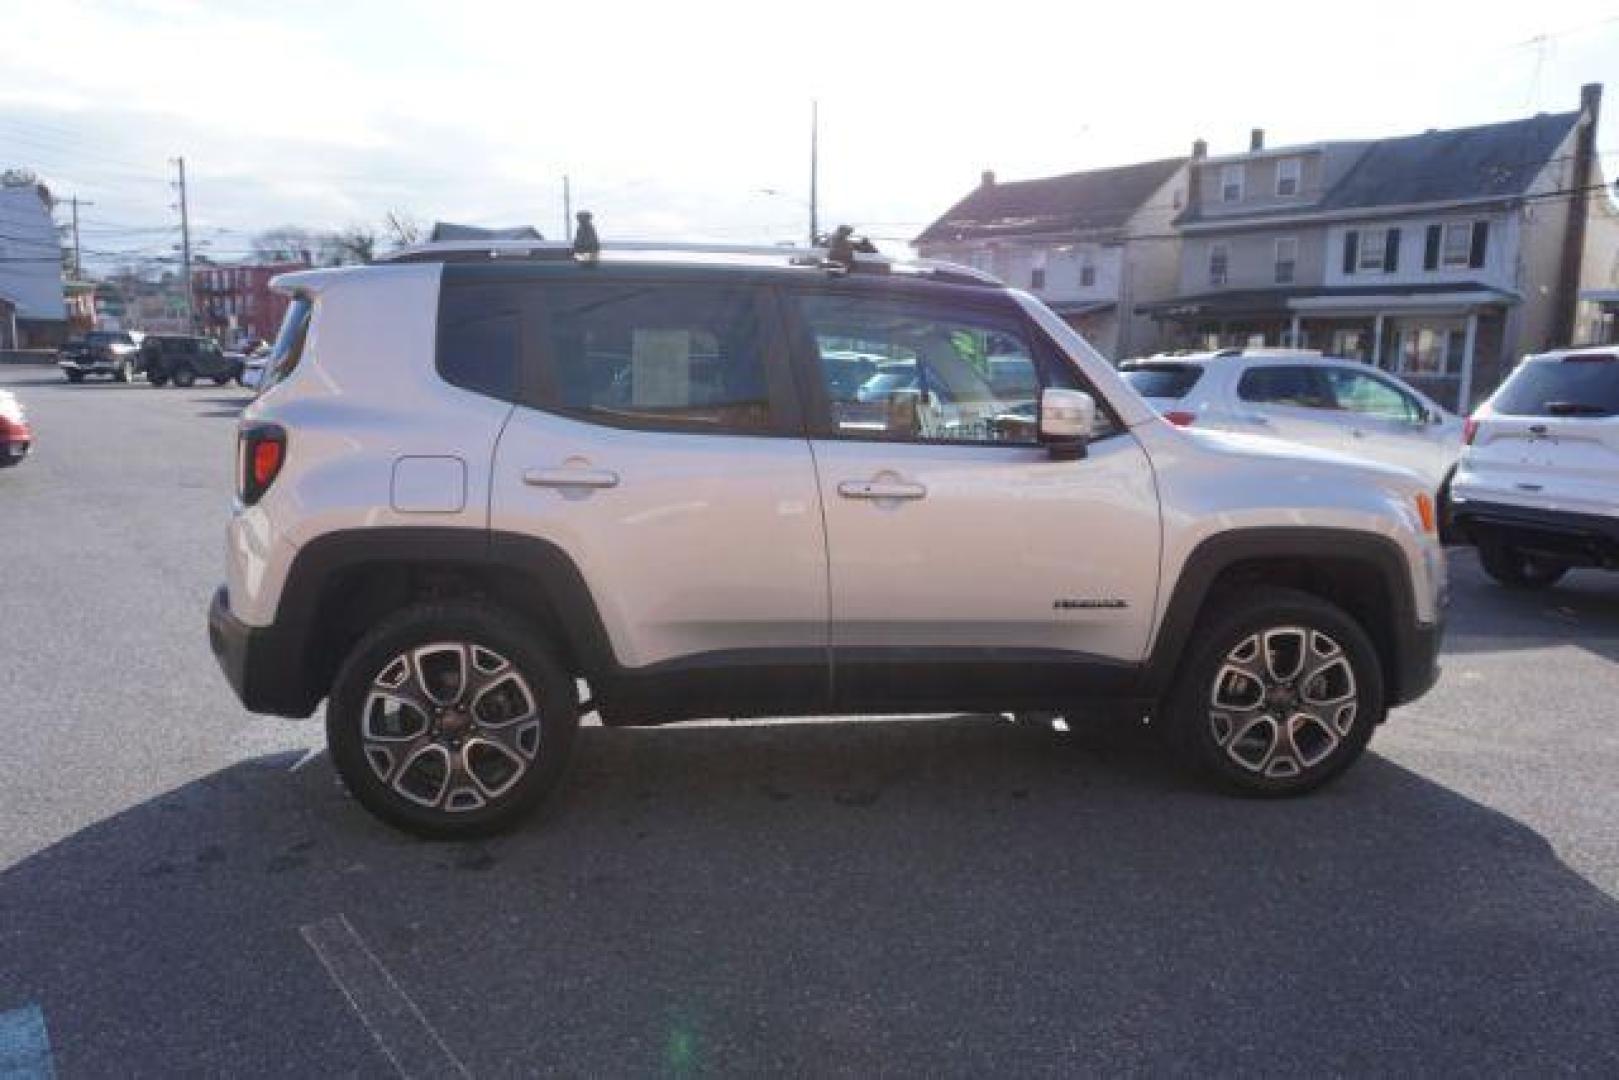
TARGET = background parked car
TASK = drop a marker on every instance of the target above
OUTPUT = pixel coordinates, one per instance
(16, 439)
(114, 353)
(1538, 486)
(1304, 397)
(184, 359)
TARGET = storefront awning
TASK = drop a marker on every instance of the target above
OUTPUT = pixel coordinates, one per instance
(1391, 301)
(1343, 300)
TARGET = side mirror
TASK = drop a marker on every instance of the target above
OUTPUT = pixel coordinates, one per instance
(1067, 419)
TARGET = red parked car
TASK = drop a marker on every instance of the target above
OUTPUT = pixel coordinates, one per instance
(15, 438)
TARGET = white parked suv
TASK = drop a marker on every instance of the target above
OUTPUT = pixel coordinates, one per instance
(475, 477)
(1538, 487)
(1304, 397)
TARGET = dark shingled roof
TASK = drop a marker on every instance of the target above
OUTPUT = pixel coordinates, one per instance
(444, 230)
(1496, 160)
(1100, 199)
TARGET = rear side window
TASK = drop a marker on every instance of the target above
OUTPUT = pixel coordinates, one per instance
(480, 331)
(1584, 384)
(289, 343)
(1163, 380)
(659, 356)
(1302, 387)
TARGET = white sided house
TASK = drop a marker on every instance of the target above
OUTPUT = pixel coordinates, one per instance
(1092, 245)
(1444, 256)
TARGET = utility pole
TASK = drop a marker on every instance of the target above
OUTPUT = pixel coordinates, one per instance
(815, 170)
(567, 210)
(185, 245)
(78, 259)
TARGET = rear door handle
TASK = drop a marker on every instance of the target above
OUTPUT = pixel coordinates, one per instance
(570, 478)
(1255, 418)
(881, 489)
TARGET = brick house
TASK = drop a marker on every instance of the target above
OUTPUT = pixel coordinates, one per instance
(236, 304)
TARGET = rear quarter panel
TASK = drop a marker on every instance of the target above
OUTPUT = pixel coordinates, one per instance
(364, 395)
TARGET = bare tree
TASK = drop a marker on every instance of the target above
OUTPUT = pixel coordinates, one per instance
(289, 243)
(402, 228)
(355, 244)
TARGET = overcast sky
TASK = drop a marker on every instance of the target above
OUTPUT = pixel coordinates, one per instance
(671, 117)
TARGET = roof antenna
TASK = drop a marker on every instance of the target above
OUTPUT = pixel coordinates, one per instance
(587, 247)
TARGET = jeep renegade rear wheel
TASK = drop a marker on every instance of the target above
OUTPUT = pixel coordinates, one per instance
(1279, 694)
(450, 721)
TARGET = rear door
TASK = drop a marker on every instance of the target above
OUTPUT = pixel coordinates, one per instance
(1288, 401)
(1550, 436)
(661, 449)
(966, 563)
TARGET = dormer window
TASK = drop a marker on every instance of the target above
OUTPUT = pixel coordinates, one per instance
(1287, 177)
(1231, 183)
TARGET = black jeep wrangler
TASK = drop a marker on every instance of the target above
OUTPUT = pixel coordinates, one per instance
(183, 360)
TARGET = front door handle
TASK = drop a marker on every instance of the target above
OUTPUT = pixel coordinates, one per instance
(881, 489)
(570, 478)
(1255, 418)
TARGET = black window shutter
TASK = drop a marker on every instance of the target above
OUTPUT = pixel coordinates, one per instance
(1430, 255)
(1391, 250)
(1481, 241)
(1351, 250)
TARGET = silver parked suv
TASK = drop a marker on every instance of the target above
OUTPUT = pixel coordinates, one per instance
(475, 477)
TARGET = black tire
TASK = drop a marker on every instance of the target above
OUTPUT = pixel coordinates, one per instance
(1233, 619)
(183, 377)
(220, 380)
(157, 378)
(75, 376)
(1517, 570)
(490, 628)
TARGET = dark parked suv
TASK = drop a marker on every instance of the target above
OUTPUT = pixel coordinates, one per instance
(183, 360)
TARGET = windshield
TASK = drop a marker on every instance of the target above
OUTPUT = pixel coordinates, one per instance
(105, 337)
(1163, 380)
(1585, 384)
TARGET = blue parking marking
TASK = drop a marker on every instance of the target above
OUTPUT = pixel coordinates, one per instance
(25, 1049)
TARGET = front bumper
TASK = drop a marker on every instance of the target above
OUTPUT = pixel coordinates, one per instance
(89, 367)
(1416, 662)
(1575, 538)
(264, 666)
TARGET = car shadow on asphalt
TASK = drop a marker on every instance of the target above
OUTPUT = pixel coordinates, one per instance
(959, 896)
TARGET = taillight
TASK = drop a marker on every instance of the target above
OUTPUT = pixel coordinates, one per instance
(260, 451)
(1469, 429)
(1180, 417)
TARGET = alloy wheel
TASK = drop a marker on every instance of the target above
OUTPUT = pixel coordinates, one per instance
(1283, 700)
(450, 725)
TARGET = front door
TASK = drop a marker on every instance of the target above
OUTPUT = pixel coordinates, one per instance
(966, 563)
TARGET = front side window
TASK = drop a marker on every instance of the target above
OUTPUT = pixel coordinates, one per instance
(937, 375)
(1371, 396)
(1297, 386)
(666, 357)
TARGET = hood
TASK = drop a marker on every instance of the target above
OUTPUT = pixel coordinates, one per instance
(1244, 445)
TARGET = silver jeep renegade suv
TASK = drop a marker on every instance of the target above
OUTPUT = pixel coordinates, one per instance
(728, 483)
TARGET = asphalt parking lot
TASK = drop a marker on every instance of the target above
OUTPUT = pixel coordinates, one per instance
(184, 888)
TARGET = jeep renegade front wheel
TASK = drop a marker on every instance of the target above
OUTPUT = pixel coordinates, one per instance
(1279, 694)
(450, 720)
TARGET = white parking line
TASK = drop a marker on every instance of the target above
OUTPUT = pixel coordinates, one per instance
(388, 1013)
(309, 755)
(25, 1048)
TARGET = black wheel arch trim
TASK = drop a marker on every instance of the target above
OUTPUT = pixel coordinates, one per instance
(1407, 647)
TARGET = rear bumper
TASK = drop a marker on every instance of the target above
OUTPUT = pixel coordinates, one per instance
(1574, 538)
(13, 450)
(262, 665)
